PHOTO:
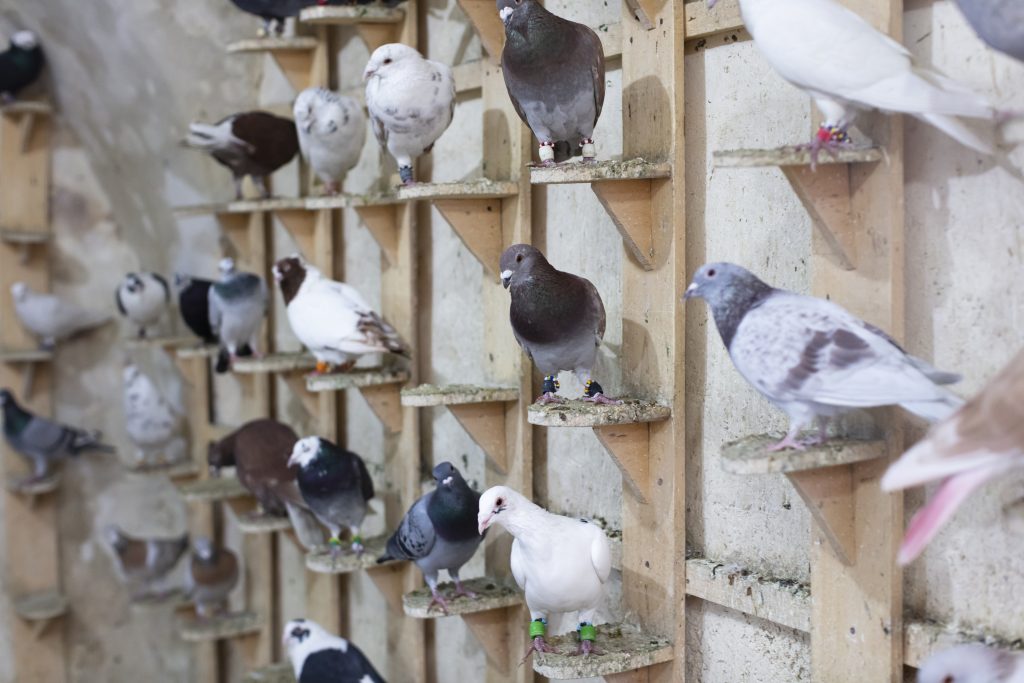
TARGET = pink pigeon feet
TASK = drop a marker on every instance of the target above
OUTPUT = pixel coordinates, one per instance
(828, 138)
(549, 389)
(593, 393)
(586, 632)
(790, 441)
(538, 644)
(437, 599)
(462, 590)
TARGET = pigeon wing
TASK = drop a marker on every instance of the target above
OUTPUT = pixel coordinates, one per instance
(415, 536)
(365, 480)
(600, 556)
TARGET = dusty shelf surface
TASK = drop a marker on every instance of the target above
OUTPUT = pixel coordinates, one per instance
(25, 355)
(469, 189)
(579, 172)
(18, 485)
(320, 560)
(426, 395)
(26, 107)
(578, 413)
(41, 606)
(357, 14)
(262, 523)
(199, 351)
(355, 379)
(242, 206)
(275, 673)
(491, 595)
(158, 342)
(212, 489)
(275, 362)
(793, 156)
(15, 236)
(273, 44)
(625, 648)
(194, 630)
(750, 455)
(175, 469)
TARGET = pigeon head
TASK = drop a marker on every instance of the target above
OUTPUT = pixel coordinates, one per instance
(218, 457)
(332, 116)
(973, 663)
(495, 502)
(133, 283)
(19, 290)
(446, 474)
(203, 548)
(114, 537)
(386, 57)
(296, 631)
(290, 273)
(6, 397)
(226, 265)
(731, 291)
(519, 258)
(305, 451)
(513, 11)
(25, 40)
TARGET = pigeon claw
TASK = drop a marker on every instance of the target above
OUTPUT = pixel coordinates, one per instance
(602, 400)
(585, 649)
(438, 599)
(788, 442)
(549, 397)
(461, 590)
(538, 644)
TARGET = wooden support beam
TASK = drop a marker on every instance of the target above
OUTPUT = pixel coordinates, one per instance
(386, 404)
(478, 223)
(701, 22)
(382, 221)
(629, 445)
(390, 580)
(628, 203)
(483, 14)
(485, 423)
(492, 630)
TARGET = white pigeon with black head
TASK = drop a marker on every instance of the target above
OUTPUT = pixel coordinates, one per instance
(320, 657)
(972, 663)
(143, 298)
(332, 130)
(812, 358)
(238, 304)
(52, 318)
(152, 423)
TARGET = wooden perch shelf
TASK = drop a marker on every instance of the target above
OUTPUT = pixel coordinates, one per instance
(262, 523)
(41, 608)
(24, 237)
(275, 362)
(275, 673)
(25, 355)
(202, 351)
(626, 649)
(491, 595)
(224, 627)
(273, 44)
(26, 107)
(379, 387)
(182, 469)
(298, 57)
(429, 395)
(750, 455)
(376, 24)
(212, 490)
(793, 156)
(321, 561)
(469, 189)
(19, 487)
(157, 342)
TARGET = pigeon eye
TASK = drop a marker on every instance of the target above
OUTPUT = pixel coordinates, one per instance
(711, 273)
(388, 60)
(500, 502)
(519, 258)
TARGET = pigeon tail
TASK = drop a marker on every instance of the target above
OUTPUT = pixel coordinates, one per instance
(306, 528)
(211, 137)
(223, 361)
(89, 441)
(937, 410)
(380, 331)
(956, 129)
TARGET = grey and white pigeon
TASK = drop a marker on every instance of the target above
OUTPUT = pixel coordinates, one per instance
(253, 143)
(972, 663)
(440, 532)
(554, 73)
(43, 442)
(238, 304)
(153, 425)
(20, 64)
(846, 65)
(558, 318)
(332, 130)
(331, 318)
(143, 562)
(319, 657)
(812, 358)
(1000, 23)
(143, 298)
(336, 485)
(51, 318)
(212, 575)
(561, 564)
(411, 101)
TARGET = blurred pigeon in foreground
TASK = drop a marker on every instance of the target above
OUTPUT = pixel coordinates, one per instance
(252, 143)
(411, 101)
(238, 304)
(143, 298)
(51, 318)
(319, 657)
(1000, 23)
(554, 73)
(558, 319)
(43, 442)
(973, 663)
(143, 562)
(273, 12)
(331, 318)
(152, 424)
(979, 442)
(332, 130)
(440, 532)
(212, 575)
(562, 564)
(811, 358)
(20, 64)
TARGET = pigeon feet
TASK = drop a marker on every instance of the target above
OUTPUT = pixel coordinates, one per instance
(829, 138)
(586, 648)
(549, 397)
(601, 399)
(538, 644)
(405, 173)
(437, 599)
(794, 443)
(462, 590)
(322, 367)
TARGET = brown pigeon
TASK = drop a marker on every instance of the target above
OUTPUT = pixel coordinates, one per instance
(142, 562)
(213, 573)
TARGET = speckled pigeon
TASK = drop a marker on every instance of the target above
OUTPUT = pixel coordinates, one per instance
(20, 64)
(332, 130)
(319, 657)
(1000, 23)
(143, 298)
(238, 304)
(152, 423)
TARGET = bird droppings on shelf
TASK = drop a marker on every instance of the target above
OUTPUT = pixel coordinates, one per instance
(491, 595)
(322, 561)
(625, 648)
(579, 413)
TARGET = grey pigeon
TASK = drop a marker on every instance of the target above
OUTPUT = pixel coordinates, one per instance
(20, 64)
(319, 657)
(1000, 23)
(50, 317)
(143, 298)
(440, 532)
(212, 575)
(143, 562)
(238, 303)
(558, 319)
(554, 72)
(43, 442)
(812, 358)
(273, 12)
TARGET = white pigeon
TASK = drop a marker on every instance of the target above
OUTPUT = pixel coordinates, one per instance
(411, 101)
(51, 318)
(331, 318)
(153, 425)
(143, 298)
(238, 303)
(332, 130)
(848, 66)
(319, 657)
(561, 564)
(972, 663)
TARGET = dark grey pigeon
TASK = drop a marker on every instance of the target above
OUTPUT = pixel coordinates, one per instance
(554, 72)
(273, 12)
(440, 532)
(20, 64)
(812, 358)
(43, 442)
(237, 306)
(1000, 23)
(558, 319)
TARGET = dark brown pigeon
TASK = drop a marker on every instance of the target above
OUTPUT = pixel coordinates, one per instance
(213, 573)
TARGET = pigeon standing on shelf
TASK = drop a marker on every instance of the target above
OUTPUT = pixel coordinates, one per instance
(194, 305)
(331, 318)
(561, 564)
(43, 442)
(1000, 23)
(812, 358)
(336, 485)
(319, 657)
(212, 575)
(152, 424)
(981, 441)
(143, 562)
(846, 65)
(238, 303)
(51, 318)
(440, 532)
(554, 73)
(20, 65)
(558, 319)
(252, 143)
(332, 130)
(273, 12)
(972, 663)
(143, 298)
(411, 101)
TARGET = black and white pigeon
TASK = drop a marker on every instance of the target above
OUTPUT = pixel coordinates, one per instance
(319, 657)
(238, 304)
(812, 358)
(331, 318)
(143, 298)
(212, 575)
(332, 130)
(194, 305)
(52, 318)
(554, 73)
(153, 425)
(252, 143)
(411, 101)
(336, 485)
(558, 319)
(20, 65)
(273, 12)
(440, 532)
(44, 442)
(1000, 23)
(144, 562)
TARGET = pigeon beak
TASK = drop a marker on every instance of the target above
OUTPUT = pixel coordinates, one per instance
(691, 291)
(506, 278)
(293, 460)
(505, 13)
(368, 74)
(483, 524)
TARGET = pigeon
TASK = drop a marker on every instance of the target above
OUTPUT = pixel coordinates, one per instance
(153, 425)
(554, 73)
(252, 143)
(981, 441)
(1000, 23)
(194, 305)
(561, 564)
(273, 12)
(51, 318)
(558, 319)
(20, 64)
(143, 298)
(238, 304)
(411, 101)
(332, 130)
(440, 532)
(142, 562)
(212, 574)
(331, 318)
(336, 485)
(812, 358)
(319, 657)
(43, 442)
(847, 66)
(972, 663)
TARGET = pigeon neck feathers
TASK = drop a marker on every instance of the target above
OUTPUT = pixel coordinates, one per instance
(731, 304)
(15, 418)
(535, 36)
(452, 509)
(237, 285)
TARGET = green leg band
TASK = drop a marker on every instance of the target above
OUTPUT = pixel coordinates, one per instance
(357, 540)
(537, 628)
(334, 542)
(587, 632)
